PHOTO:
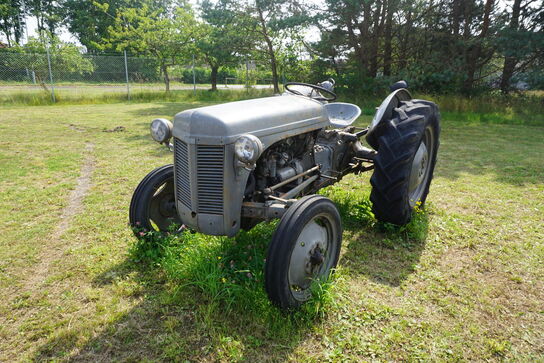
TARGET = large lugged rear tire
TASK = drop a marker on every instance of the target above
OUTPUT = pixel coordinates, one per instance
(403, 169)
(152, 207)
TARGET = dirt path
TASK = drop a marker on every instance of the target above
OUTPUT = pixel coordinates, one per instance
(55, 250)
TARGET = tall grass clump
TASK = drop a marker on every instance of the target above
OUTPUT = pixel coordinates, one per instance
(355, 208)
(525, 108)
(64, 97)
(517, 108)
(225, 277)
(356, 211)
(409, 235)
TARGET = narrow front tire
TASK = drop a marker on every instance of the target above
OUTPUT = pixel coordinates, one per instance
(153, 204)
(304, 248)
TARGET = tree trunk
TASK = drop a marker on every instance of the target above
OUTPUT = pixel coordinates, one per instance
(271, 54)
(407, 28)
(40, 25)
(387, 49)
(356, 46)
(274, 66)
(507, 73)
(475, 52)
(41, 82)
(379, 15)
(364, 37)
(335, 66)
(164, 70)
(213, 77)
(510, 61)
(456, 17)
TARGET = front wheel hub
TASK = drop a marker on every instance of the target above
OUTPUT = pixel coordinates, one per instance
(316, 258)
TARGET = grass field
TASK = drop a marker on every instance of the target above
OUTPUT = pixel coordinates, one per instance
(463, 281)
(85, 93)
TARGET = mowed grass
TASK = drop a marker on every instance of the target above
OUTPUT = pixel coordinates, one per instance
(463, 281)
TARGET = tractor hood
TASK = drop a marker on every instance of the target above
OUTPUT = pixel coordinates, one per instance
(269, 118)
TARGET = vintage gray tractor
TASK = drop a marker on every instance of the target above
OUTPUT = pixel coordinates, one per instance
(240, 163)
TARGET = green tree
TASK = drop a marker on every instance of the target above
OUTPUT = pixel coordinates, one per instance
(437, 45)
(89, 20)
(267, 23)
(48, 14)
(521, 42)
(272, 22)
(168, 37)
(221, 43)
(12, 21)
(291, 64)
(65, 57)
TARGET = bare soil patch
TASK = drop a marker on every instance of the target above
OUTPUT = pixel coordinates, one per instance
(55, 250)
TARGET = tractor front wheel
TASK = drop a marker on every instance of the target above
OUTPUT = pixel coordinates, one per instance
(153, 205)
(304, 248)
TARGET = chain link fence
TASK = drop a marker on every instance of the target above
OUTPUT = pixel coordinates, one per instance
(88, 75)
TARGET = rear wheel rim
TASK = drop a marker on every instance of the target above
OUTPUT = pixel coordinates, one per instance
(312, 256)
(421, 167)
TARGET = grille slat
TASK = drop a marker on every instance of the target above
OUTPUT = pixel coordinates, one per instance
(210, 162)
(183, 180)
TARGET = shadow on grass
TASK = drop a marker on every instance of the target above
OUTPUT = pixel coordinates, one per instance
(202, 297)
(382, 252)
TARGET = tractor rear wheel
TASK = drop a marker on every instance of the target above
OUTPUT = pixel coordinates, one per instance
(404, 166)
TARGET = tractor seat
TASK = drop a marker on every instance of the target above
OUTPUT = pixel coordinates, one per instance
(342, 114)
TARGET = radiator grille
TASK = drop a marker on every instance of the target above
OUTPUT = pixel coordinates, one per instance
(210, 161)
(183, 181)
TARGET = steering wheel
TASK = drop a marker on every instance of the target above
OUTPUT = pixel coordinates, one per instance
(315, 87)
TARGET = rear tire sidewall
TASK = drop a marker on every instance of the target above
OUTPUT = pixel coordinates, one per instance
(283, 243)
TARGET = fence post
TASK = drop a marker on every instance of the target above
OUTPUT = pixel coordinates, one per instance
(247, 75)
(194, 77)
(126, 75)
(50, 74)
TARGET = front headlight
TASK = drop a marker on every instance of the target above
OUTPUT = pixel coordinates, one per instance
(248, 148)
(161, 130)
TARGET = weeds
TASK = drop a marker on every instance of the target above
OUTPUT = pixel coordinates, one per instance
(228, 273)
(63, 97)
(521, 108)
(415, 232)
(471, 290)
(354, 207)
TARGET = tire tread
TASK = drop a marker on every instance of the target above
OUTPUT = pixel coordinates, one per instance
(398, 143)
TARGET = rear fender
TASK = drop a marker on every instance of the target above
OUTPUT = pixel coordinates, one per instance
(385, 112)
